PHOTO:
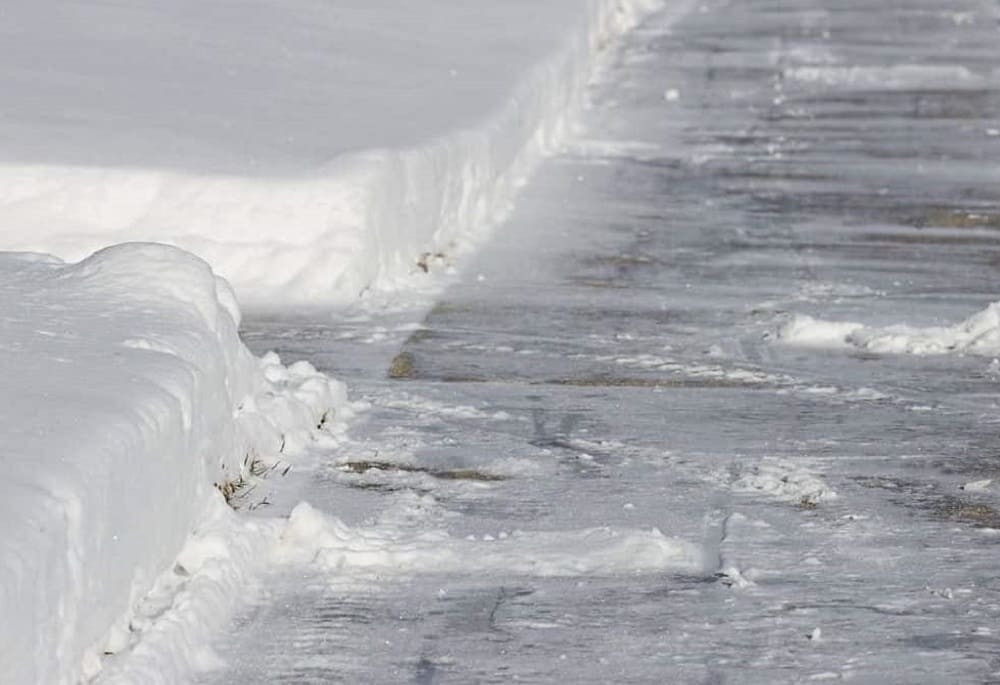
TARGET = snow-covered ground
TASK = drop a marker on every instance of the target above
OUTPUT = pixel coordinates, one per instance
(302, 152)
(308, 151)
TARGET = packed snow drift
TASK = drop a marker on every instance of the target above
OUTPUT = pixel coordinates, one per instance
(127, 395)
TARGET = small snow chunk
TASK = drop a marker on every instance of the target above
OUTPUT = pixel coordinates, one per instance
(672, 95)
(784, 480)
(816, 635)
(732, 577)
(826, 675)
(944, 593)
(809, 332)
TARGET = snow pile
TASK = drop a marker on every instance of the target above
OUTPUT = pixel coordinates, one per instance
(323, 540)
(127, 393)
(806, 331)
(307, 152)
(979, 334)
(785, 481)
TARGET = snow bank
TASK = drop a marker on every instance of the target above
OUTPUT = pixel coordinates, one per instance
(126, 394)
(979, 334)
(307, 152)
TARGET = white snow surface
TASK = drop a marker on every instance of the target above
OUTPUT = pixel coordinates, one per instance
(308, 151)
(127, 393)
(978, 334)
(317, 538)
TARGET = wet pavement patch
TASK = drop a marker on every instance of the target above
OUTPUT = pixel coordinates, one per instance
(402, 366)
(926, 238)
(632, 382)
(943, 217)
(362, 467)
(928, 498)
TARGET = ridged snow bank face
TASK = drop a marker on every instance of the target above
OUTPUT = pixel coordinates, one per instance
(126, 394)
(307, 152)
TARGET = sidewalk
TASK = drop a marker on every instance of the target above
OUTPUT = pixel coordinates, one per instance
(791, 499)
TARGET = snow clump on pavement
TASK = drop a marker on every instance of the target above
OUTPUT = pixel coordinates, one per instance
(320, 539)
(784, 480)
(978, 334)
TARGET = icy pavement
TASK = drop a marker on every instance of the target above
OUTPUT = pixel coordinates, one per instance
(642, 440)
